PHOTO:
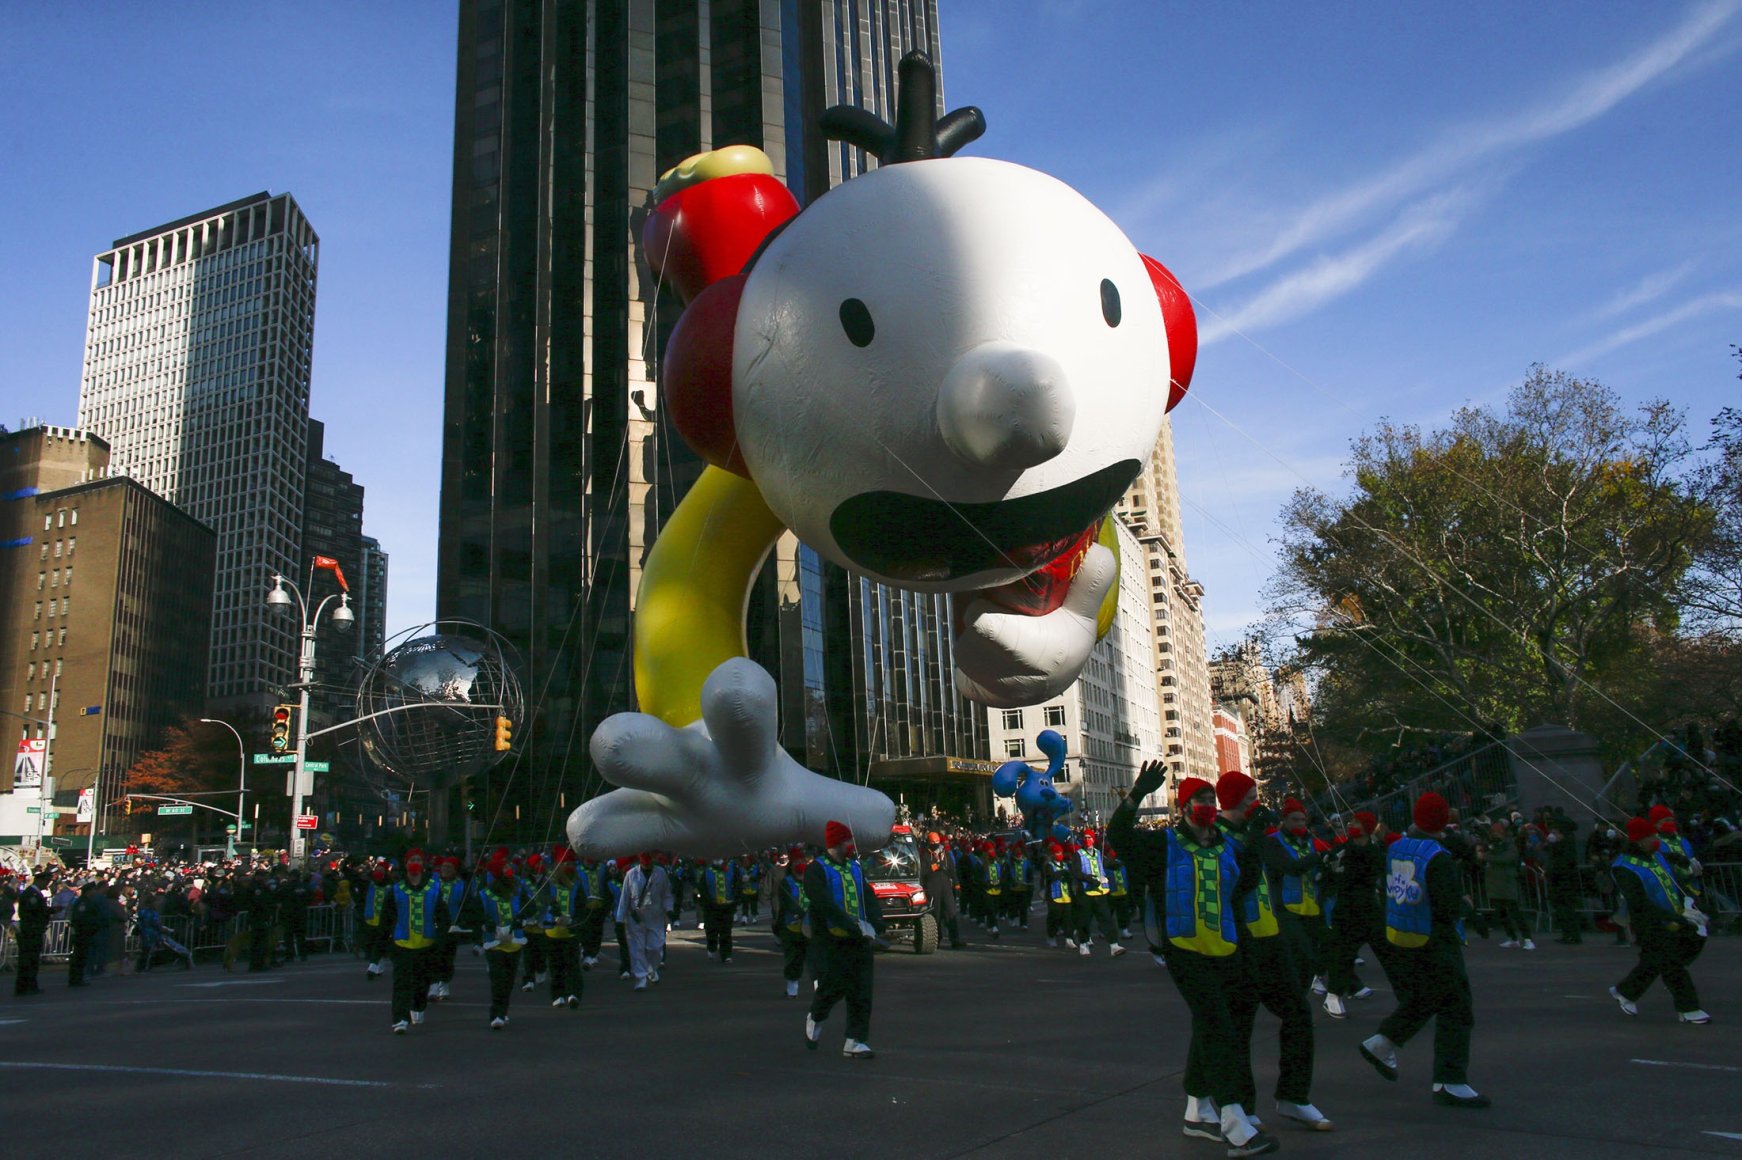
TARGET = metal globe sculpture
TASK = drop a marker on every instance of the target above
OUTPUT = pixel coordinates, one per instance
(442, 687)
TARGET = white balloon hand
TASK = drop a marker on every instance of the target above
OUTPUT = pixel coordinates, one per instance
(721, 786)
(1005, 659)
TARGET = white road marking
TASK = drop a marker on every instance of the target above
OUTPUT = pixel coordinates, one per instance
(8, 1022)
(190, 1073)
(235, 983)
(1694, 1066)
(1725, 1135)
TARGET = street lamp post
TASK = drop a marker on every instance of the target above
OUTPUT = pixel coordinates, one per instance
(286, 596)
(241, 780)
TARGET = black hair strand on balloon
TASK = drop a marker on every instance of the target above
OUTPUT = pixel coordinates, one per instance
(918, 134)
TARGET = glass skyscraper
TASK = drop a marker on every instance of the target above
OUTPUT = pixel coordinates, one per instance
(559, 466)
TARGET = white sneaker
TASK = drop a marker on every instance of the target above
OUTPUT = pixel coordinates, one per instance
(498, 1023)
(417, 1016)
(1084, 950)
(1203, 1120)
(401, 1027)
(853, 1049)
(1123, 933)
(1382, 1054)
(1528, 945)
(1160, 960)
(556, 1002)
(792, 988)
(813, 1031)
(1628, 1006)
(625, 975)
(542, 976)
(1509, 944)
(1364, 993)
(1334, 1006)
(1694, 1016)
(1072, 943)
(641, 984)
(1305, 1114)
(1052, 942)
(653, 976)
(1319, 985)
(527, 986)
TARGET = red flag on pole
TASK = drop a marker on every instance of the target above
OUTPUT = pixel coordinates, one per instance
(332, 565)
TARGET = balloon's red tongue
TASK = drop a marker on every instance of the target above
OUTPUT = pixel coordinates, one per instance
(1044, 589)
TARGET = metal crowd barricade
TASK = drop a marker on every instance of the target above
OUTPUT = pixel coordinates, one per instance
(1476, 783)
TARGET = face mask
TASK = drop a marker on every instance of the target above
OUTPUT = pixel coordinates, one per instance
(1666, 828)
(1295, 828)
(1203, 815)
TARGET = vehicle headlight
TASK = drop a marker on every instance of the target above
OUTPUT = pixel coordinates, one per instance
(919, 898)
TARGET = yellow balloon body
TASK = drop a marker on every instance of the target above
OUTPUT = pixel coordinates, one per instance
(695, 589)
(1109, 539)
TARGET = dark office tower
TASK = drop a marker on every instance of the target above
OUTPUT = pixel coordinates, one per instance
(558, 465)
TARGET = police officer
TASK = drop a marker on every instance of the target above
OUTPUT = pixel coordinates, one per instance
(845, 921)
(1200, 915)
(1667, 925)
(1424, 957)
(33, 919)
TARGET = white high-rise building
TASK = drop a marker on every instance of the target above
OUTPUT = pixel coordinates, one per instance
(196, 371)
(1109, 718)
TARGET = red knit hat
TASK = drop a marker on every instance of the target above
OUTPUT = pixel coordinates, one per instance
(1191, 787)
(1431, 813)
(562, 855)
(1368, 820)
(1659, 812)
(1232, 788)
(1056, 850)
(1292, 806)
(414, 860)
(836, 834)
(1639, 829)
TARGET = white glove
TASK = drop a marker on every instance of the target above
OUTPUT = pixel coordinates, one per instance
(1006, 659)
(719, 786)
(866, 929)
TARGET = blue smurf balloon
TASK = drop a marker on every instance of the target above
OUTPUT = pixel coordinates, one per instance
(1039, 803)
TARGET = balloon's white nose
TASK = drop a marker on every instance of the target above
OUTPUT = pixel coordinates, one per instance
(1005, 406)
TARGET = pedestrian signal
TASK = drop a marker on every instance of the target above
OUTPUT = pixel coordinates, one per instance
(504, 734)
(281, 729)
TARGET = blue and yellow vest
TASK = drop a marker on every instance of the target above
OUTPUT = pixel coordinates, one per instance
(372, 902)
(1257, 914)
(563, 899)
(1300, 892)
(1200, 886)
(456, 897)
(1687, 851)
(591, 883)
(1019, 874)
(1408, 918)
(848, 891)
(994, 876)
(1059, 885)
(1661, 888)
(1119, 880)
(749, 877)
(414, 925)
(717, 881)
(1089, 861)
(797, 904)
(500, 912)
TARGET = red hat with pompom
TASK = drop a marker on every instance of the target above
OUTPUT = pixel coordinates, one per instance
(836, 834)
(1292, 806)
(1640, 829)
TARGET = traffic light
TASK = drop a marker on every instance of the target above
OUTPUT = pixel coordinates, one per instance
(504, 734)
(281, 729)
(127, 806)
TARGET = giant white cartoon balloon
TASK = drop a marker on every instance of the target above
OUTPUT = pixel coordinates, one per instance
(942, 374)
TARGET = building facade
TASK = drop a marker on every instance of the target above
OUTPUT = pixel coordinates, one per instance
(1151, 508)
(107, 638)
(196, 372)
(1274, 705)
(1110, 718)
(559, 465)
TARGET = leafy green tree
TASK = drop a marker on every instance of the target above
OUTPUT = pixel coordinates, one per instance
(1496, 573)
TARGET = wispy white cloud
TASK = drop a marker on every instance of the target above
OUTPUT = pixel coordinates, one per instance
(1693, 308)
(1420, 227)
(1585, 100)
(1648, 289)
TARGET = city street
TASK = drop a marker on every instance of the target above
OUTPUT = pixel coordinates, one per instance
(1008, 1049)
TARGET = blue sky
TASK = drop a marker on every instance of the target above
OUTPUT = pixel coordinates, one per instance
(1383, 209)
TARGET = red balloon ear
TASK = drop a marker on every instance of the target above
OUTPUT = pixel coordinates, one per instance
(1182, 328)
(697, 376)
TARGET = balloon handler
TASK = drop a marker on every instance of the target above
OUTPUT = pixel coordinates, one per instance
(1668, 925)
(846, 929)
(415, 915)
(941, 375)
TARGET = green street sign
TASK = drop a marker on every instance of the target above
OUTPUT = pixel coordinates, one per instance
(169, 811)
(33, 809)
(317, 766)
(275, 759)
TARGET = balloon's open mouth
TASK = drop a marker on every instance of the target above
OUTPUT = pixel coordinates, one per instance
(924, 540)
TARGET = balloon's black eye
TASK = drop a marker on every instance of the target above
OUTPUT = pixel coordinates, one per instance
(1109, 302)
(856, 321)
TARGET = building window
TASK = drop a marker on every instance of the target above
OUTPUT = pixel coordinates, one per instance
(35, 639)
(1014, 747)
(1055, 715)
(1013, 720)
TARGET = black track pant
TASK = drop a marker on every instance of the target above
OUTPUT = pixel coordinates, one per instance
(412, 973)
(564, 956)
(1666, 956)
(1212, 989)
(503, 965)
(1432, 984)
(1271, 983)
(844, 972)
